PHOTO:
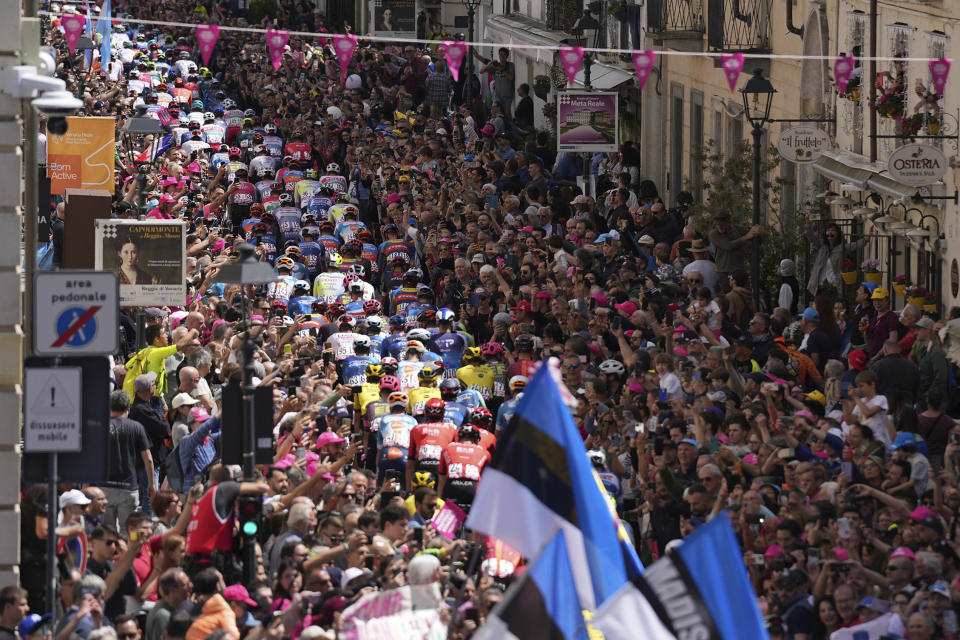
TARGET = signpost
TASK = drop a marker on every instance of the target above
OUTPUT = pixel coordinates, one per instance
(52, 415)
(917, 165)
(802, 144)
(75, 313)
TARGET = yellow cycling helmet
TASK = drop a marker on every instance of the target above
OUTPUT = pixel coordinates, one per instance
(472, 353)
(374, 371)
(423, 479)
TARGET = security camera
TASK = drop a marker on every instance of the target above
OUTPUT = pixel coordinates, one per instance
(57, 105)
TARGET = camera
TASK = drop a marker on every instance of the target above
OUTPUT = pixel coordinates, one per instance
(57, 105)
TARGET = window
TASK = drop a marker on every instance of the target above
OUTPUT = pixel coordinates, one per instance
(858, 24)
(675, 181)
(696, 142)
(716, 130)
(734, 127)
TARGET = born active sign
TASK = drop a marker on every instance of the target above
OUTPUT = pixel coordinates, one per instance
(75, 313)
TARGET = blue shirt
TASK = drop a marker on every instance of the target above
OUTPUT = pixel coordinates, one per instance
(196, 451)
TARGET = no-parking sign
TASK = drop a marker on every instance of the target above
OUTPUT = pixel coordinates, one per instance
(75, 313)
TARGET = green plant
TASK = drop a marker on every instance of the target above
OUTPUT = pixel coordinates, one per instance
(728, 184)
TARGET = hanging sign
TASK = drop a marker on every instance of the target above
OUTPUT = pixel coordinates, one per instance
(570, 58)
(802, 144)
(642, 63)
(276, 41)
(842, 70)
(917, 165)
(207, 35)
(455, 53)
(732, 66)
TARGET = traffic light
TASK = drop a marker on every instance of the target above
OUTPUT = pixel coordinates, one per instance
(248, 515)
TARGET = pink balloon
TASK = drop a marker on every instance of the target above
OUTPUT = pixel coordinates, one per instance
(276, 41)
(732, 66)
(207, 35)
(940, 69)
(642, 63)
(842, 70)
(570, 58)
(73, 24)
(344, 46)
(455, 53)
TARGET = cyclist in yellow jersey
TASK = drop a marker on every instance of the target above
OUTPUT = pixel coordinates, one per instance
(369, 390)
(475, 375)
(428, 377)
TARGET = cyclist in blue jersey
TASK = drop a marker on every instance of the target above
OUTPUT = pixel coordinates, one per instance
(448, 342)
(301, 302)
(355, 366)
(454, 411)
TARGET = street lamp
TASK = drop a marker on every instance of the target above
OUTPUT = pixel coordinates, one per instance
(247, 270)
(757, 88)
(134, 135)
(586, 29)
(84, 44)
(471, 6)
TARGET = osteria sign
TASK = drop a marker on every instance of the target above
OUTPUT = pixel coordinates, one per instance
(917, 165)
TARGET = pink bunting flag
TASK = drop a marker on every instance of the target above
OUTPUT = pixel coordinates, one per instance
(570, 58)
(73, 24)
(842, 70)
(344, 46)
(940, 69)
(455, 53)
(732, 66)
(207, 35)
(276, 41)
(643, 62)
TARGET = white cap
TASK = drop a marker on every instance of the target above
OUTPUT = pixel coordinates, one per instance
(74, 496)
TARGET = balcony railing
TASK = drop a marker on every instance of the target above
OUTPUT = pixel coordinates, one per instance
(739, 25)
(675, 18)
(562, 14)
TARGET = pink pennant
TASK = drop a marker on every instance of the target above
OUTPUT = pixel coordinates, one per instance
(842, 70)
(207, 35)
(344, 45)
(940, 69)
(643, 62)
(571, 57)
(276, 41)
(455, 52)
(732, 66)
(73, 24)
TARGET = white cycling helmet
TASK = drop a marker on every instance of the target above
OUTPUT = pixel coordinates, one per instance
(613, 366)
(333, 167)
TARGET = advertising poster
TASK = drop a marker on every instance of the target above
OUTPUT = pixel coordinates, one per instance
(394, 17)
(149, 258)
(82, 158)
(587, 121)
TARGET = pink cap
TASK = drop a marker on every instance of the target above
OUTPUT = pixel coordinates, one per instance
(635, 387)
(600, 297)
(193, 167)
(773, 551)
(238, 593)
(903, 552)
(841, 554)
(806, 413)
(328, 437)
(392, 198)
(751, 458)
(920, 513)
(167, 198)
(627, 308)
(200, 414)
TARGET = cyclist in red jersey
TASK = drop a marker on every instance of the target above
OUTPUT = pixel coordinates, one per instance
(428, 439)
(460, 467)
(524, 365)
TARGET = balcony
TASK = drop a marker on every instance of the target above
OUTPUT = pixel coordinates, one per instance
(561, 14)
(676, 23)
(739, 25)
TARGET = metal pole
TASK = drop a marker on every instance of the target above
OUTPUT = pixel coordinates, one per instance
(873, 80)
(468, 86)
(141, 329)
(52, 537)
(757, 135)
(29, 55)
(249, 431)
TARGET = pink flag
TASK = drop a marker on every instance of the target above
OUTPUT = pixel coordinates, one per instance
(207, 35)
(643, 62)
(842, 69)
(732, 65)
(276, 40)
(571, 57)
(344, 45)
(455, 52)
(940, 69)
(73, 24)
(446, 521)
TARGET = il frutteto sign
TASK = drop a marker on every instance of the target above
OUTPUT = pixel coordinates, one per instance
(802, 144)
(917, 165)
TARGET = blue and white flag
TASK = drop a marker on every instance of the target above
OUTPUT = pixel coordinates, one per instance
(540, 482)
(105, 28)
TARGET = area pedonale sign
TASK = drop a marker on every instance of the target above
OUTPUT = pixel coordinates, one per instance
(917, 165)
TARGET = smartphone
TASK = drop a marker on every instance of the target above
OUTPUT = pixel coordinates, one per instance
(418, 535)
(492, 201)
(368, 561)
(287, 349)
(756, 559)
(134, 536)
(785, 454)
(658, 446)
(301, 453)
(387, 496)
(615, 439)
(844, 528)
(390, 475)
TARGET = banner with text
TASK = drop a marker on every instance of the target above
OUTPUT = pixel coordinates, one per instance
(587, 122)
(83, 157)
(148, 257)
(406, 613)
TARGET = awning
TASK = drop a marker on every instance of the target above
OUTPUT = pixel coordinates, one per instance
(832, 167)
(519, 29)
(604, 76)
(850, 169)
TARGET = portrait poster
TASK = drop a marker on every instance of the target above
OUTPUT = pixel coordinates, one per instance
(394, 18)
(149, 257)
(587, 121)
